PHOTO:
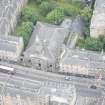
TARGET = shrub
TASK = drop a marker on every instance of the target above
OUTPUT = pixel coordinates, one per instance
(78, 4)
(86, 31)
(46, 7)
(70, 10)
(25, 30)
(64, 1)
(93, 44)
(102, 39)
(37, 1)
(86, 13)
(56, 16)
(29, 14)
(81, 43)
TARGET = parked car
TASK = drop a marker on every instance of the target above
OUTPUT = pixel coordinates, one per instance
(93, 87)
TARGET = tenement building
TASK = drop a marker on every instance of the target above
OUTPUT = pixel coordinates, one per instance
(9, 11)
(50, 93)
(10, 48)
(82, 62)
(45, 46)
(97, 26)
(56, 96)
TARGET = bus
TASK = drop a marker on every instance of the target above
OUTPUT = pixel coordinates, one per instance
(6, 69)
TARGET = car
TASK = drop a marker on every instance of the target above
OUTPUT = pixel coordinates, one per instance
(68, 78)
(93, 87)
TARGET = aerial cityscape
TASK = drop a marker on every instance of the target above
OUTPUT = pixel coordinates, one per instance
(52, 52)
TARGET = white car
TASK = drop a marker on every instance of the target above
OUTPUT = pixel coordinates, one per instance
(68, 78)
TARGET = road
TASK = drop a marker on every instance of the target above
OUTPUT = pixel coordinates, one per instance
(27, 85)
(28, 78)
(35, 74)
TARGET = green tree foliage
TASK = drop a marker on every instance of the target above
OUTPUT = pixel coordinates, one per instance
(80, 43)
(25, 30)
(91, 44)
(56, 16)
(36, 1)
(54, 11)
(86, 13)
(47, 7)
(102, 39)
(29, 14)
(70, 10)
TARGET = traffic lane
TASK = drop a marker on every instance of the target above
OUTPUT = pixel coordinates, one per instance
(51, 83)
(41, 78)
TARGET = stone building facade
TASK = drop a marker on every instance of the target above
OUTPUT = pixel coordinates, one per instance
(56, 96)
(39, 93)
(10, 48)
(97, 26)
(83, 63)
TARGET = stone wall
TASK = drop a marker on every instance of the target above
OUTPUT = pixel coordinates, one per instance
(97, 26)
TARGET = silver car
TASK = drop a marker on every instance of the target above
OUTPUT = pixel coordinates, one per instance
(68, 78)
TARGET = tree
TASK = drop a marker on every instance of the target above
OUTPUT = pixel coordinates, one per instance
(56, 16)
(25, 30)
(47, 7)
(70, 10)
(86, 13)
(29, 14)
(37, 1)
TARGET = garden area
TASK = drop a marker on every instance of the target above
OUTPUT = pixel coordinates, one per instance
(88, 43)
(54, 12)
(50, 11)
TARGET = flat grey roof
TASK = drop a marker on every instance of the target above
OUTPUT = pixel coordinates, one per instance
(84, 58)
(9, 43)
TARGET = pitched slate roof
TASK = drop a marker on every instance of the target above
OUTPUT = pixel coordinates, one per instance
(46, 40)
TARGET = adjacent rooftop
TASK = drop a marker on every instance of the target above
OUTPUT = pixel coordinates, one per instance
(10, 47)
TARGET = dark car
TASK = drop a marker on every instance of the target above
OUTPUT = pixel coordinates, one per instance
(93, 87)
